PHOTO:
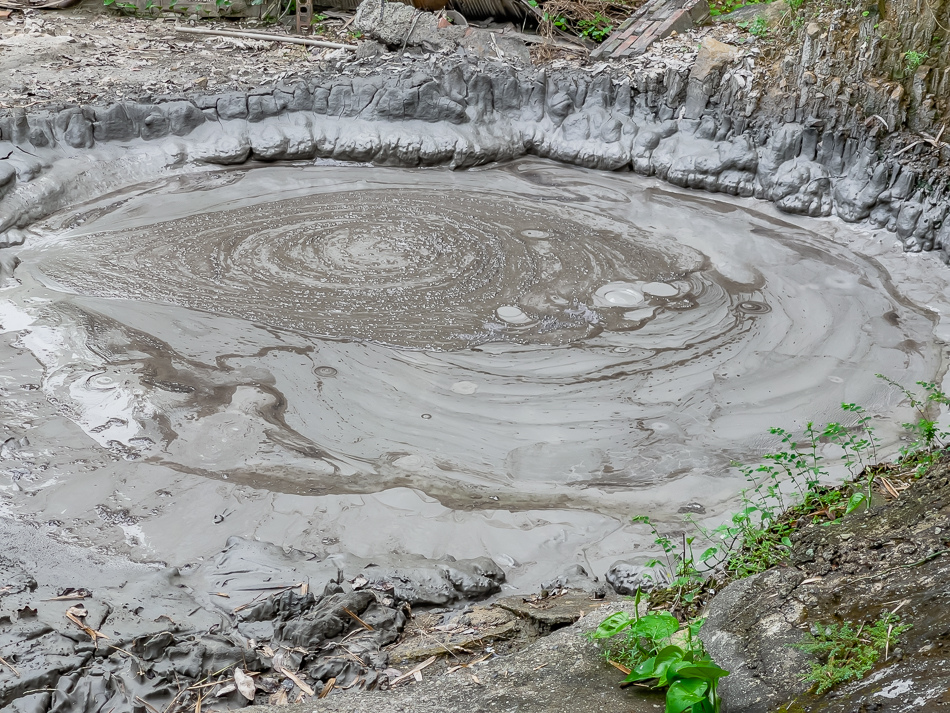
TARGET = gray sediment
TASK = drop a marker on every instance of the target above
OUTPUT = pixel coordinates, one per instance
(701, 129)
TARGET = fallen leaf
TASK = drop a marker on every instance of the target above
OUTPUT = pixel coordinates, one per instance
(230, 688)
(245, 684)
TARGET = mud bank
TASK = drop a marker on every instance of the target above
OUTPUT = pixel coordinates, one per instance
(697, 128)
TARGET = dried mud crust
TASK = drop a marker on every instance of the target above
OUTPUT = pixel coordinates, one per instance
(88, 54)
(894, 557)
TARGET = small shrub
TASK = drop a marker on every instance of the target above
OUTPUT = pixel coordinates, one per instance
(914, 59)
(846, 653)
(646, 647)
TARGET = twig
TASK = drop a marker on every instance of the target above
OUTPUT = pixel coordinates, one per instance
(409, 674)
(266, 37)
(412, 28)
(146, 704)
(9, 666)
(360, 621)
(297, 680)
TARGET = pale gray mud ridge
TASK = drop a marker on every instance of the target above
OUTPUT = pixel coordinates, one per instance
(359, 388)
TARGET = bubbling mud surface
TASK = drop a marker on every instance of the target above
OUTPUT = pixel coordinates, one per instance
(506, 362)
(425, 269)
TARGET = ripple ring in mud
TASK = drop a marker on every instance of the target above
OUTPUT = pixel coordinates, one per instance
(401, 267)
(753, 307)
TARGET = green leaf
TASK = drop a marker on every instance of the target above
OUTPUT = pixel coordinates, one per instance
(854, 502)
(669, 658)
(644, 670)
(684, 693)
(705, 670)
(711, 552)
(656, 626)
(613, 625)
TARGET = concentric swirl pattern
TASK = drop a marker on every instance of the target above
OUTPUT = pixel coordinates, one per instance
(409, 268)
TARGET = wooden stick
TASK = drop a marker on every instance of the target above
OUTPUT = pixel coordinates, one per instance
(10, 666)
(266, 37)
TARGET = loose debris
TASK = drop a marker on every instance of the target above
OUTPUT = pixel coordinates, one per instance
(76, 615)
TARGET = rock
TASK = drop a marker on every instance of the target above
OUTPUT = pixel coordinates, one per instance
(397, 25)
(704, 77)
(772, 12)
(627, 578)
(749, 631)
(369, 48)
(551, 612)
(493, 45)
(471, 631)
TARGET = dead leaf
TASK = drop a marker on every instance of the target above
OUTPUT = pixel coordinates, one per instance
(245, 684)
(327, 688)
(230, 688)
(298, 681)
(76, 615)
(411, 674)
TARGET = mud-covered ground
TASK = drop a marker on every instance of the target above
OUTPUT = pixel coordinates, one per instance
(89, 54)
(80, 354)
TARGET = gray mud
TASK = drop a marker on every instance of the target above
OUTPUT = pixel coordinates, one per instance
(537, 353)
(386, 369)
(512, 387)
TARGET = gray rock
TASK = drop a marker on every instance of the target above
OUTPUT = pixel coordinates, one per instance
(750, 628)
(397, 25)
(627, 578)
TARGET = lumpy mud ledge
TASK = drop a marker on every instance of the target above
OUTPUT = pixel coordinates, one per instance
(287, 371)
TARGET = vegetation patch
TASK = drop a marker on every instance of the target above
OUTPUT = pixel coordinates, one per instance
(845, 653)
(787, 491)
(645, 650)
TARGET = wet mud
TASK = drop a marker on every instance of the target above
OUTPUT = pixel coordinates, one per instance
(386, 369)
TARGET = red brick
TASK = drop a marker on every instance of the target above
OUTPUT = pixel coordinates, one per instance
(625, 44)
(679, 21)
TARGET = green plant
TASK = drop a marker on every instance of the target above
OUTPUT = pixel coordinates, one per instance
(759, 27)
(758, 536)
(914, 59)
(597, 29)
(846, 654)
(128, 8)
(929, 438)
(647, 649)
(679, 569)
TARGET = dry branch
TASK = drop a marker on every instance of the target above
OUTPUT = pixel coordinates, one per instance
(266, 37)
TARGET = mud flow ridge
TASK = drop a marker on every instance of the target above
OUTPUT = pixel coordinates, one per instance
(393, 368)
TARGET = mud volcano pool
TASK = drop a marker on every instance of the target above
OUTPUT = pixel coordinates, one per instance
(507, 361)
